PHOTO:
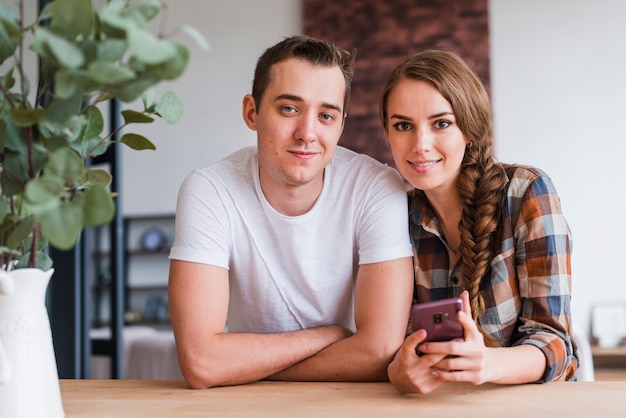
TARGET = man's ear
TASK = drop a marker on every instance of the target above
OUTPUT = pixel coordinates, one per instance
(248, 110)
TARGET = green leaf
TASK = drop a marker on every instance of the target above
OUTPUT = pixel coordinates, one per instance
(65, 52)
(114, 14)
(70, 18)
(95, 122)
(4, 250)
(43, 194)
(42, 190)
(172, 68)
(111, 49)
(170, 108)
(91, 147)
(63, 225)
(26, 117)
(131, 90)
(105, 72)
(149, 49)
(7, 80)
(10, 33)
(91, 144)
(3, 133)
(7, 14)
(148, 99)
(194, 34)
(61, 110)
(98, 207)
(9, 186)
(15, 171)
(137, 142)
(19, 233)
(132, 116)
(98, 176)
(144, 10)
(64, 84)
(66, 164)
(43, 262)
(4, 209)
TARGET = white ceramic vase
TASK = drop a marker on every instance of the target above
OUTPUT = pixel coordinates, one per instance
(29, 379)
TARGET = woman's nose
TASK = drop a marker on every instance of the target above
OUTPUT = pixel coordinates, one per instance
(423, 140)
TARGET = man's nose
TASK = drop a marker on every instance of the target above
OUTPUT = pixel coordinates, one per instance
(307, 128)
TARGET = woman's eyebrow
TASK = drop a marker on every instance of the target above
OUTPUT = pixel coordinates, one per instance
(436, 115)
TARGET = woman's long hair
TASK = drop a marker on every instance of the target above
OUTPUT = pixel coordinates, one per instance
(481, 180)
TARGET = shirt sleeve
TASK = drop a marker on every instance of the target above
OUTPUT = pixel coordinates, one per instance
(201, 234)
(543, 251)
(383, 231)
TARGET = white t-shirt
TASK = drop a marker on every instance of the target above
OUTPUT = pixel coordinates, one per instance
(291, 272)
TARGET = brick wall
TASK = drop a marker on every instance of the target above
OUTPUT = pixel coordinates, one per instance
(383, 34)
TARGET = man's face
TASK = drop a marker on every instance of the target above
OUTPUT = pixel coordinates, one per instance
(298, 125)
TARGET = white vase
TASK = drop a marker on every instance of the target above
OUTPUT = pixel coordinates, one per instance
(29, 380)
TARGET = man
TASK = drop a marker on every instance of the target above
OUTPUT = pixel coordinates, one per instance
(297, 246)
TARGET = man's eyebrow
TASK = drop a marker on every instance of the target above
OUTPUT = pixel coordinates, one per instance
(295, 98)
(289, 97)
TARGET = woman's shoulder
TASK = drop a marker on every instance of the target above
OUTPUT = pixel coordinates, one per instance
(522, 177)
(522, 171)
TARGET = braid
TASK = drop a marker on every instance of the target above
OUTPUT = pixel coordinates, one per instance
(480, 185)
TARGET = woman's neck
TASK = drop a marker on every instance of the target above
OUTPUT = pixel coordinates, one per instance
(449, 208)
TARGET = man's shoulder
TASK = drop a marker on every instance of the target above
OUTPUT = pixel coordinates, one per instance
(239, 157)
(349, 168)
(345, 157)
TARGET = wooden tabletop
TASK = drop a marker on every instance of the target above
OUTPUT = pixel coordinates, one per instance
(172, 399)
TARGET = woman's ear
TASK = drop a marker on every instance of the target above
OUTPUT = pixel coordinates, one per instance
(248, 110)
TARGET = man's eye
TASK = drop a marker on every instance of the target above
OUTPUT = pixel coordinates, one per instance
(402, 126)
(327, 117)
(288, 109)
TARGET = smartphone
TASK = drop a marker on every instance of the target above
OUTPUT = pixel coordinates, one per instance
(438, 318)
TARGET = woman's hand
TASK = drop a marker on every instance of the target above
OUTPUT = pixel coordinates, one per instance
(461, 361)
(411, 373)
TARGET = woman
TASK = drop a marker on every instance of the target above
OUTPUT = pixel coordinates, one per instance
(491, 233)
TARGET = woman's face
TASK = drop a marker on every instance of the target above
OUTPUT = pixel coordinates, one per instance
(426, 143)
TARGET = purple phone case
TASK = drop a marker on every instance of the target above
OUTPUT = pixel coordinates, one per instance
(438, 318)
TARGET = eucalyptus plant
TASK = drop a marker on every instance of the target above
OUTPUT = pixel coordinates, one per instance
(52, 127)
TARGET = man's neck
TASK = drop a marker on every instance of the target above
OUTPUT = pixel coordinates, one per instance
(292, 200)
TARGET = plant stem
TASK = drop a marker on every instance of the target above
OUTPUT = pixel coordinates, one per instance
(21, 58)
(32, 260)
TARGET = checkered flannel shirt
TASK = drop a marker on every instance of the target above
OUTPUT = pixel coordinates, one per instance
(527, 290)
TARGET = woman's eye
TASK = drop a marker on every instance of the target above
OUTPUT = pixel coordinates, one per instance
(402, 126)
(442, 124)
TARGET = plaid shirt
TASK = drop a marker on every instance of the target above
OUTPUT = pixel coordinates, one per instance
(527, 290)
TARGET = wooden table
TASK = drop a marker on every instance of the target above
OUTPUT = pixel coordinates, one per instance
(172, 399)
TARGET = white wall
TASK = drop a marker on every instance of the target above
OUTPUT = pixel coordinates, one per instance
(558, 76)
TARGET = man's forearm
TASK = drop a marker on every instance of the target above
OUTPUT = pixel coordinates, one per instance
(234, 358)
(350, 359)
